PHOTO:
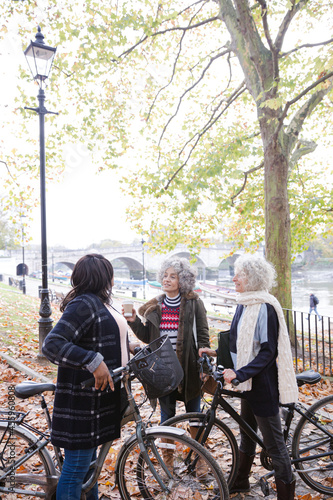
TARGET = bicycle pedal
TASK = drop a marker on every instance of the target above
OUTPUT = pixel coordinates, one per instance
(264, 486)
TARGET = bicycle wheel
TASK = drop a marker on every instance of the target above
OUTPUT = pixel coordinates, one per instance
(221, 442)
(31, 475)
(193, 473)
(315, 446)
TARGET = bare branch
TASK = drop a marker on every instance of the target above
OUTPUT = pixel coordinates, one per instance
(306, 45)
(169, 82)
(176, 28)
(9, 172)
(245, 180)
(212, 59)
(205, 129)
(286, 22)
(297, 98)
(174, 68)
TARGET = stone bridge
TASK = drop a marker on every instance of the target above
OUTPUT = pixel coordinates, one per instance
(130, 260)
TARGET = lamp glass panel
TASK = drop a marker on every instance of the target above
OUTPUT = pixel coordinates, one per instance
(40, 61)
(43, 61)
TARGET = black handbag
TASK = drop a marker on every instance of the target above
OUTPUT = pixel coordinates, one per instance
(157, 367)
(223, 350)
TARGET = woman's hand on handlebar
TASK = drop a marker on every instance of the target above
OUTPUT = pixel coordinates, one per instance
(208, 351)
(103, 377)
(228, 375)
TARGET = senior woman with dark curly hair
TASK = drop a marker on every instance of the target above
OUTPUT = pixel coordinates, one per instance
(180, 314)
(258, 336)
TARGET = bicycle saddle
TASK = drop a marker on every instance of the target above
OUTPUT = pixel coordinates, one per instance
(308, 377)
(27, 389)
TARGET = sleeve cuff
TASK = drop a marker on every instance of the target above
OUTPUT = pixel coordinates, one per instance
(95, 362)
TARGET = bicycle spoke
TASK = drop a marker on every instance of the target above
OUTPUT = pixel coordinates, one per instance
(313, 444)
(191, 474)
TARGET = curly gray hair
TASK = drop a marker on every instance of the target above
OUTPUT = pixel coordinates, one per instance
(186, 273)
(260, 274)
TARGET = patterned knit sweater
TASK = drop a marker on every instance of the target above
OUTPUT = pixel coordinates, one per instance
(170, 318)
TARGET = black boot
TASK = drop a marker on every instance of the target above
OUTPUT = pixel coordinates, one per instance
(241, 483)
(285, 491)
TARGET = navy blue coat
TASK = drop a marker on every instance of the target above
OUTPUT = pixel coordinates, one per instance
(264, 395)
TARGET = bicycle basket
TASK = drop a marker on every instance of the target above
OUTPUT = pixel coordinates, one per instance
(157, 367)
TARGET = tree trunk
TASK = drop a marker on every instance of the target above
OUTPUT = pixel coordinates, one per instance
(277, 217)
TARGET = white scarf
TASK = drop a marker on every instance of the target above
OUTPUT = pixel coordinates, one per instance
(288, 390)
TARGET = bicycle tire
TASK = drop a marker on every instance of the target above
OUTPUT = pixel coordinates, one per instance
(221, 442)
(189, 481)
(309, 439)
(34, 474)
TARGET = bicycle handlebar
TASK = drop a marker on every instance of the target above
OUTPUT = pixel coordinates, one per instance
(116, 376)
(217, 374)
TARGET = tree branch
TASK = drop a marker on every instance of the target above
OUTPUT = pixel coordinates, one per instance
(212, 59)
(286, 22)
(208, 125)
(173, 71)
(271, 45)
(303, 148)
(306, 45)
(245, 180)
(9, 172)
(176, 28)
(297, 98)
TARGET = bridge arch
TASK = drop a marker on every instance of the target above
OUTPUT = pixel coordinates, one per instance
(70, 265)
(127, 267)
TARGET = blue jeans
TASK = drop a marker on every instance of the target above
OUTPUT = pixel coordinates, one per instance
(168, 405)
(74, 471)
(315, 311)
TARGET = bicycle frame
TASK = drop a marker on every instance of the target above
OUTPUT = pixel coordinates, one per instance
(48, 483)
(220, 401)
(141, 434)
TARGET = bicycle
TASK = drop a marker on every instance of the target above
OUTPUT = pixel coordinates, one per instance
(310, 447)
(28, 468)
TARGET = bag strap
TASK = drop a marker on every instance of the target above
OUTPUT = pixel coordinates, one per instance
(195, 333)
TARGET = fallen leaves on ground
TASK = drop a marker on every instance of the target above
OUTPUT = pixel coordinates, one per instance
(19, 339)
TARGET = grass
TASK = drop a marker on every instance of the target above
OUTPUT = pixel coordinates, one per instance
(19, 314)
(19, 329)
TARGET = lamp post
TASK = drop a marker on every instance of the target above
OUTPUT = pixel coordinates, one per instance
(40, 58)
(23, 263)
(143, 269)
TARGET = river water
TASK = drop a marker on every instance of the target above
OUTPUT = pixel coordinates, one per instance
(319, 282)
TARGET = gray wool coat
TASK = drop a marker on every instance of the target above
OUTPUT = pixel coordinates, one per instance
(187, 351)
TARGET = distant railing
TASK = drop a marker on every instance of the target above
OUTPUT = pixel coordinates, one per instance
(312, 341)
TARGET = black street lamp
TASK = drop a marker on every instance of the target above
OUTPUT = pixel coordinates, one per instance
(40, 58)
(23, 263)
(143, 269)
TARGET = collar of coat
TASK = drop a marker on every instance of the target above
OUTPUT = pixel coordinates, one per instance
(156, 303)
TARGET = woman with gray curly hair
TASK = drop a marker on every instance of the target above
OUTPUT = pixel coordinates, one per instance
(180, 314)
(258, 335)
